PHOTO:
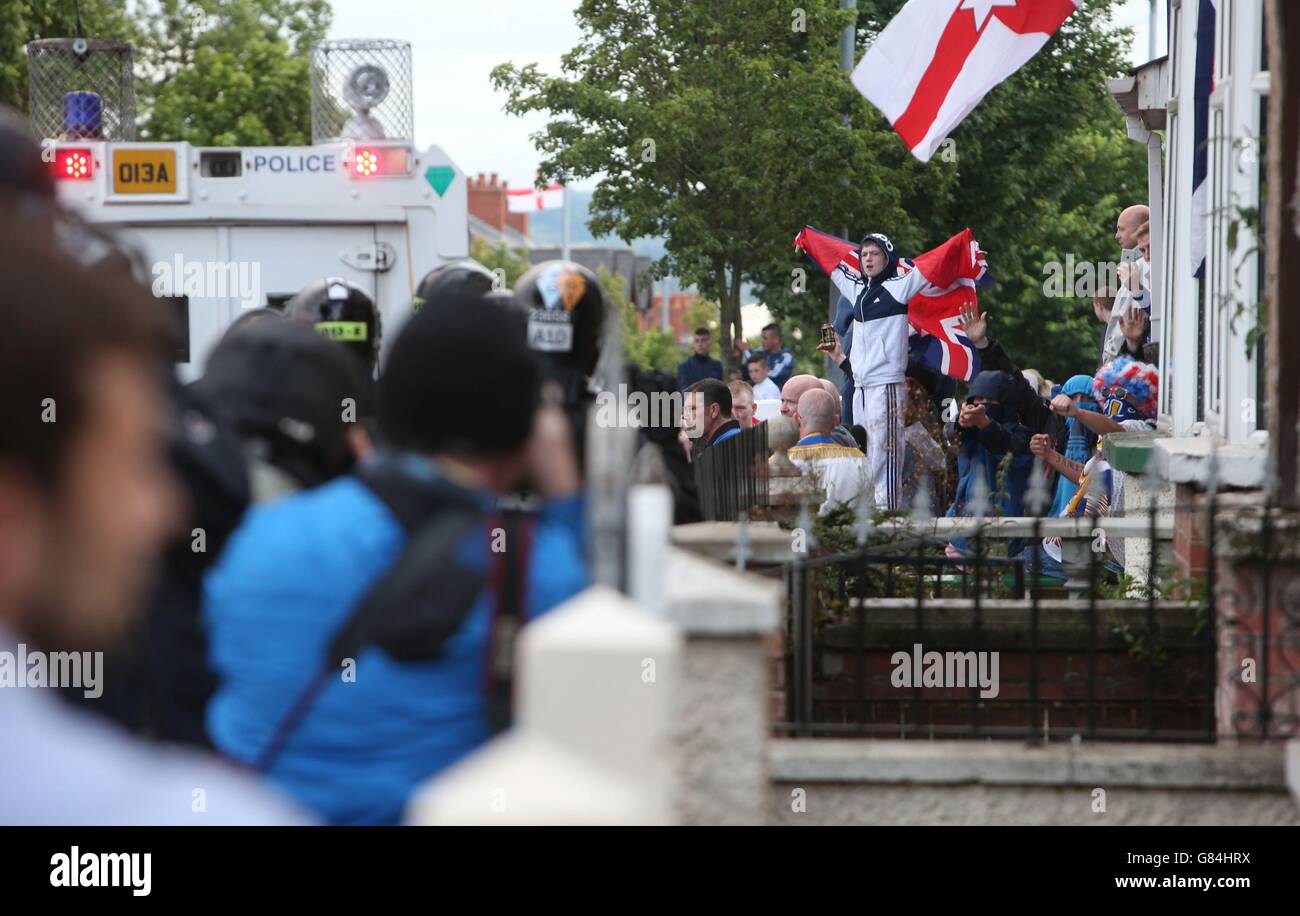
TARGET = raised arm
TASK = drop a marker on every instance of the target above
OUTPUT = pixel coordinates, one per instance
(1064, 405)
(837, 258)
(959, 258)
(1027, 402)
(1041, 445)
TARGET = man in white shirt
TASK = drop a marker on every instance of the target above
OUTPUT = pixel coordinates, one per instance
(842, 471)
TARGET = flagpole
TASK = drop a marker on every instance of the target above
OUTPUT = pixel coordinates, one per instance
(564, 221)
(847, 38)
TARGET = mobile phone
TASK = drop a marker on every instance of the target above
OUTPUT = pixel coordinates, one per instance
(828, 336)
(1129, 255)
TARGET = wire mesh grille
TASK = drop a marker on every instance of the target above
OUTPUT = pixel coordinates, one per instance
(81, 89)
(361, 90)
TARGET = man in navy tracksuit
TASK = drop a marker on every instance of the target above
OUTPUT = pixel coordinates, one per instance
(877, 342)
(699, 365)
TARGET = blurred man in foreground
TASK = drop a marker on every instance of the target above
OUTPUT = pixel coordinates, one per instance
(86, 502)
(295, 397)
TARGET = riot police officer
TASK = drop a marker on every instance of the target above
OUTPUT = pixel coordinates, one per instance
(456, 279)
(342, 311)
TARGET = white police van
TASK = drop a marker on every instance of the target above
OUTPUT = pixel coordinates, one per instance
(225, 230)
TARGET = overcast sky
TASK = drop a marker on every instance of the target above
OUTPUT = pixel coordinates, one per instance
(456, 44)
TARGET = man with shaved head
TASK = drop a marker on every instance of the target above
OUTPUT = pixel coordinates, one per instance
(1130, 220)
(793, 390)
(842, 471)
(840, 433)
(1131, 231)
(800, 385)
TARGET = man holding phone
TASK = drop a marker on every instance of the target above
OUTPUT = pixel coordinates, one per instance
(1132, 230)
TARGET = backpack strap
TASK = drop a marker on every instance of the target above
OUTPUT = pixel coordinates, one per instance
(423, 598)
(508, 580)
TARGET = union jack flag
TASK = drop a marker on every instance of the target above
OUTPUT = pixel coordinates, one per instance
(937, 340)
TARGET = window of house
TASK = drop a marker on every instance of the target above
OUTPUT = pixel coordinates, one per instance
(1261, 291)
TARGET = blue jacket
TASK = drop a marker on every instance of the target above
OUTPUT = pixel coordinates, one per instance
(287, 581)
(728, 430)
(694, 368)
(983, 450)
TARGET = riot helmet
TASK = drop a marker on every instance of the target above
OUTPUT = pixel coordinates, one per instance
(457, 279)
(341, 311)
(287, 390)
(566, 312)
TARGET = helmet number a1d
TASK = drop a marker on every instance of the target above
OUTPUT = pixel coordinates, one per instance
(550, 331)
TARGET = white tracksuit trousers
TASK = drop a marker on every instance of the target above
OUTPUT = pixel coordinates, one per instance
(879, 410)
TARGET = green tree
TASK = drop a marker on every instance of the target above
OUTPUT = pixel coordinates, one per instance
(22, 21)
(231, 72)
(718, 125)
(512, 262)
(727, 139)
(213, 72)
(704, 314)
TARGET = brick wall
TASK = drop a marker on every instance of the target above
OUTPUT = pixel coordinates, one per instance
(487, 201)
(679, 306)
(1257, 595)
(1190, 554)
(853, 685)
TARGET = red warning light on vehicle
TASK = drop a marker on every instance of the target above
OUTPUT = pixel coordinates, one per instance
(74, 164)
(365, 163)
(375, 161)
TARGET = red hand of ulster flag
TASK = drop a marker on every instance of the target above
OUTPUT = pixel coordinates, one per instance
(937, 59)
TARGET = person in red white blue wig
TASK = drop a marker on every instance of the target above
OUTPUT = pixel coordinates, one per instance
(1126, 390)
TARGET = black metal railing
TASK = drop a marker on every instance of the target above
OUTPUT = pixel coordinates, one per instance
(731, 477)
(1114, 660)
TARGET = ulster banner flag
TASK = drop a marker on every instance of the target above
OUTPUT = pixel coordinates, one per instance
(937, 58)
